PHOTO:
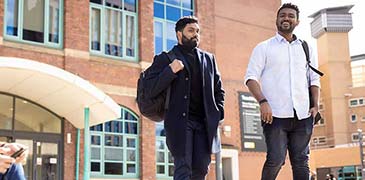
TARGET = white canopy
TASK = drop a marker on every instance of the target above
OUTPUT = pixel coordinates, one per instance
(56, 89)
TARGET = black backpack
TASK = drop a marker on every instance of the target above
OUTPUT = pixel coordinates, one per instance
(153, 107)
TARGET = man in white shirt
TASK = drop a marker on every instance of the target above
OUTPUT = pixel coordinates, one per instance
(277, 76)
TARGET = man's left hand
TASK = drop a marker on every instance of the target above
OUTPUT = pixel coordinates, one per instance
(313, 111)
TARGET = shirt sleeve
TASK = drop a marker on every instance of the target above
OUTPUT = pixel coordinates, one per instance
(314, 77)
(256, 64)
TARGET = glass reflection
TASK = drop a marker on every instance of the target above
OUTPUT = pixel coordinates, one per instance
(30, 117)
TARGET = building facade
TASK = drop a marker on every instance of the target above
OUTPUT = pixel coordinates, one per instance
(335, 142)
(61, 57)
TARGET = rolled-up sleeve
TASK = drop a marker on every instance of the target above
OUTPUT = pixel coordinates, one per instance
(314, 77)
(256, 64)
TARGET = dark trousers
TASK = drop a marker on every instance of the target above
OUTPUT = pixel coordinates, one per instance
(194, 164)
(292, 135)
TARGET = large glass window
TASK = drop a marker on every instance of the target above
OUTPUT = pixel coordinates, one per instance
(26, 116)
(37, 21)
(114, 147)
(113, 26)
(166, 13)
(164, 159)
(6, 111)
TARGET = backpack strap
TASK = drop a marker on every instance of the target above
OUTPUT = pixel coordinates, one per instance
(306, 51)
(171, 56)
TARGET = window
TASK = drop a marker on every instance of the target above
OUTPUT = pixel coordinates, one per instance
(114, 147)
(319, 140)
(355, 137)
(37, 22)
(166, 14)
(353, 102)
(164, 159)
(361, 101)
(113, 28)
(353, 118)
(356, 102)
(19, 114)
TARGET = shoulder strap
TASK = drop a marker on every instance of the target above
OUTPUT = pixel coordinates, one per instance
(306, 51)
(171, 56)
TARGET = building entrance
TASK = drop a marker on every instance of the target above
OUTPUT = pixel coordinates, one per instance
(43, 161)
(25, 122)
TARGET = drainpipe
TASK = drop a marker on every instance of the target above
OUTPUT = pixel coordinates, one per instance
(86, 144)
(77, 154)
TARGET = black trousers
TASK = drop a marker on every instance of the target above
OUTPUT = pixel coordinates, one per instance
(194, 164)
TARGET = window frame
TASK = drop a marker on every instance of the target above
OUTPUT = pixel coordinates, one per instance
(166, 152)
(357, 102)
(19, 37)
(356, 139)
(316, 140)
(102, 8)
(353, 121)
(164, 21)
(124, 148)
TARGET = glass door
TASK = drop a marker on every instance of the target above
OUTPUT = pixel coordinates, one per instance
(43, 160)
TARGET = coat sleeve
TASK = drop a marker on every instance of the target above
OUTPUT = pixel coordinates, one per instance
(218, 89)
(159, 75)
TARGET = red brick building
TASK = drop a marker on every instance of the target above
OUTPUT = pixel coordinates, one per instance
(105, 44)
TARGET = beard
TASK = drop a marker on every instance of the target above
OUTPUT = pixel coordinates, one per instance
(285, 29)
(189, 43)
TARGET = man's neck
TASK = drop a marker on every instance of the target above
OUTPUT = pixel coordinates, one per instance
(288, 36)
(185, 49)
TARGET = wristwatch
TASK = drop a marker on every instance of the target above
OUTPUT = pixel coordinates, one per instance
(262, 101)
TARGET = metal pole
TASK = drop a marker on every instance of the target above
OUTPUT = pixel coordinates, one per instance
(218, 158)
(361, 154)
(77, 155)
(86, 144)
(218, 166)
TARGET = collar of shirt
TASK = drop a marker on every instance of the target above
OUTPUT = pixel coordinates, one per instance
(280, 38)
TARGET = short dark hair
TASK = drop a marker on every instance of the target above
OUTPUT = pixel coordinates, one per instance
(290, 6)
(183, 21)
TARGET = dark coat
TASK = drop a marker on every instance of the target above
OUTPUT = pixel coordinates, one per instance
(161, 76)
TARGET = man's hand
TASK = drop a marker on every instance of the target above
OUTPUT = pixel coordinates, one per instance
(266, 113)
(14, 147)
(176, 66)
(313, 111)
(5, 161)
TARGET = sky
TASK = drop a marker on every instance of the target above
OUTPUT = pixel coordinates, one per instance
(356, 35)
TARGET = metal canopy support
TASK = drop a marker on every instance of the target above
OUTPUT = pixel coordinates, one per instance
(86, 144)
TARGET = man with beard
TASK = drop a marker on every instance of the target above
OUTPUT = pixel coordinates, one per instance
(196, 101)
(277, 77)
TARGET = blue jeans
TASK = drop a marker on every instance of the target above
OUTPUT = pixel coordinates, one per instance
(15, 172)
(287, 134)
(194, 164)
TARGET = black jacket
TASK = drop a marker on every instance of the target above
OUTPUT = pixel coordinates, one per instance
(161, 76)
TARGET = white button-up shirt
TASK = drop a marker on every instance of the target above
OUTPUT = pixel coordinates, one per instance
(281, 69)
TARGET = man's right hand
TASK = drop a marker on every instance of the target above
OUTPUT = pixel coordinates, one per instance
(5, 161)
(266, 113)
(176, 66)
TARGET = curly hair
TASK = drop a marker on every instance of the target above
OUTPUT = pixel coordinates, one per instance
(290, 6)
